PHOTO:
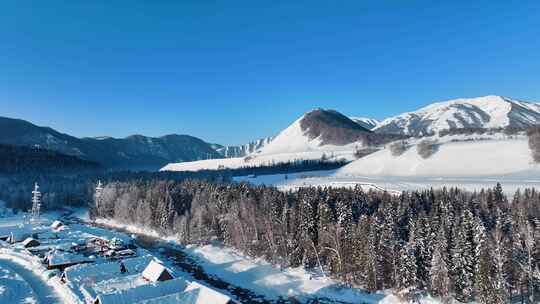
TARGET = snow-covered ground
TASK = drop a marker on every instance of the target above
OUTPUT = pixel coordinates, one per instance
(274, 283)
(394, 184)
(13, 288)
(453, 159)
(255, 160)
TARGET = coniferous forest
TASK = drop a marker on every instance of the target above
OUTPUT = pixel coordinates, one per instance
(449, 243)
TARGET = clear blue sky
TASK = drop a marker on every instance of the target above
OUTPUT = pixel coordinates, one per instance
(231, 71)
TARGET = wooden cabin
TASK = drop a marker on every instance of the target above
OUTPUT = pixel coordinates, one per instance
(155, 272)
(30, 242)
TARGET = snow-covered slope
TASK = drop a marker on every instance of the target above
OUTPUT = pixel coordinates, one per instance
(495, 157)
(482, 112)
(368, 123)
(317, 134)
(256, 160)
(319, 130)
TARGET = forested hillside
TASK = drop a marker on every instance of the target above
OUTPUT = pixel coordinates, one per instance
(17, 159)
(448, 243)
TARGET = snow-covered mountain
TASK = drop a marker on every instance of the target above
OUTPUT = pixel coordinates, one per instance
(368, 123)
(243, 150)
(482, 112)
(319, 130)
(317, 134)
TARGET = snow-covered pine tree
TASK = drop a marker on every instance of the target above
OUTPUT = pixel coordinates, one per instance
(463, 258)
(439, 272)
(387, 255)
(371, 262)
(327, 214)
(406, 280)
(498, 251)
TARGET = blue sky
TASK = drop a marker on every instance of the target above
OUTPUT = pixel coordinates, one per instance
(232, 71)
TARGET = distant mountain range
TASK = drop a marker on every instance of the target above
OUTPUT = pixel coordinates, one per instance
(482, 112)
(488, 112)
(317, 130)
(243, 150)
(133, 152)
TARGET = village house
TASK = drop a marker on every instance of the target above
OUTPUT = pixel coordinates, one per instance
(155, 272)
(30, 242)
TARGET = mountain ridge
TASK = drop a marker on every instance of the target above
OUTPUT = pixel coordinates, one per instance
(490, 111)
(133, 152)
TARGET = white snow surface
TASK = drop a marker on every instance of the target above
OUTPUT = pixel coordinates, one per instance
(469, 162)
(13, 288)
(453, 159)
(263, 278)
(255, 160)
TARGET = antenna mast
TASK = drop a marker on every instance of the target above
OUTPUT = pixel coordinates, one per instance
(99, 192)
(36, 203)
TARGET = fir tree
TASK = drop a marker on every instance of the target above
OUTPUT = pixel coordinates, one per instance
(439, 272)
(463, 259)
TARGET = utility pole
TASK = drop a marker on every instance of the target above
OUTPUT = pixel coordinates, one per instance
(36, 203)
(99, 192)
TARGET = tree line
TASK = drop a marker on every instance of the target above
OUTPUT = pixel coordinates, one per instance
(447, 242)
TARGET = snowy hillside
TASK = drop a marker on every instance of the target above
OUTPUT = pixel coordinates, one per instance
(317, 134)
(256, 160)
(482, 112)
(319, 130)
(452, 159)
(368, 123)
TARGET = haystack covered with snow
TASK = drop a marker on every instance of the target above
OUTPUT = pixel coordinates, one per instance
(155, 272)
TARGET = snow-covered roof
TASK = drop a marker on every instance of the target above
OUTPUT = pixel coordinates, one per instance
(154, 270)
(186, 297)
(207, 295)
(58, 258)
(105, 271)
(57, 224)
(143, 292)
(29, 241)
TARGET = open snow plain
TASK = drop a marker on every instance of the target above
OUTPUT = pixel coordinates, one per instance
(395, 184)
